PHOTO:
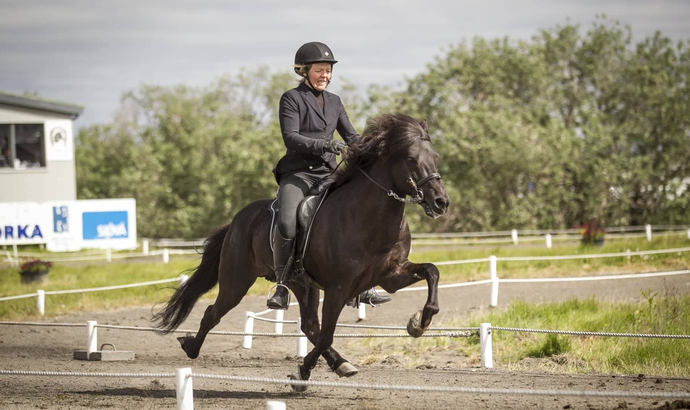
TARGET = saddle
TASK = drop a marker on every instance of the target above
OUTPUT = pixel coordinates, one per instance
(306, 213)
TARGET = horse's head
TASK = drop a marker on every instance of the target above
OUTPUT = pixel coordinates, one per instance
(415, 169)
(397, 151)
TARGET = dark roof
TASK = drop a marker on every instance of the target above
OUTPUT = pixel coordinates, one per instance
(41, 104)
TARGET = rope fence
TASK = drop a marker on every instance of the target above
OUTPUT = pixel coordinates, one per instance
(484, 331)
(493, 277)
(184, 386)
(578, 333)
(183, 377)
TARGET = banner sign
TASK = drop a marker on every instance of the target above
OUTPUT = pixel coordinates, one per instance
(70, 225)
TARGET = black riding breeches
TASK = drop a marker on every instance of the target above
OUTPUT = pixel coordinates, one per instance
(293, 188)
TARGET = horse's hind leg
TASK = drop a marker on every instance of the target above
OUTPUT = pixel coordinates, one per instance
(311, 328)
(233, 284)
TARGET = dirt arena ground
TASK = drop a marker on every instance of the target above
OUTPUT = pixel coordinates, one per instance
(51, 348)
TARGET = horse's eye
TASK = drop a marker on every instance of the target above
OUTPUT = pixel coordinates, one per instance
(412, 160)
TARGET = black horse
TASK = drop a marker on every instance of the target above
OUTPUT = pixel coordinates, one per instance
(360, 239)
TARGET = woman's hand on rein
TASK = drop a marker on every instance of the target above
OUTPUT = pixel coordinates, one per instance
(334, 146)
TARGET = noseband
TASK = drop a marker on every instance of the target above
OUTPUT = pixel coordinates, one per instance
(419, 195)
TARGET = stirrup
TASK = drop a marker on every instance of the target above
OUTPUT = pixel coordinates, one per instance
(268, 296)
(374, 295)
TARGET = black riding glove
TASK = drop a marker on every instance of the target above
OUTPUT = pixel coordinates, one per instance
(334, 146)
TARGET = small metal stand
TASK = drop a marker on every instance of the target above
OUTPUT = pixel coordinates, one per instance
(101, 355)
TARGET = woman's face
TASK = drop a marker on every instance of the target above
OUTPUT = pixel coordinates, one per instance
(319, 75)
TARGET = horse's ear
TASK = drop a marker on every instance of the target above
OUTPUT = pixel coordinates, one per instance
(424, 125)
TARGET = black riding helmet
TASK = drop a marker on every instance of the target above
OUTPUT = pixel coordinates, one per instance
(312, 53)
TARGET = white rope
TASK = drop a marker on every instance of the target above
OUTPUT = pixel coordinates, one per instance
(457, 332)
(28, 295)
(437, 389)
(578, 333)
(83, 374)
(472, 329)
(591, 278)
(457, 262)
(132, 285)
(44, 324)
(345, 335)
(446, 286)
(440, 389)
(590, 256)
(264, 319)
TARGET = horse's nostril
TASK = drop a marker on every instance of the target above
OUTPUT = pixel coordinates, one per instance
(441, 203)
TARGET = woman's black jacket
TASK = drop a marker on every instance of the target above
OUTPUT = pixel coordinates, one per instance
(305, 129)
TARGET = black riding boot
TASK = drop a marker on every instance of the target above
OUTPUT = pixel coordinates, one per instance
(282, 250)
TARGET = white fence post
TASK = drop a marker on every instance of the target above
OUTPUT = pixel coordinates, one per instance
(183, 279)
(15, 253)
(91, 338)
(362, 311)
(108, 255)
(275, 405)
(688, 233)
(629, 256)
(301, 340)
(41, 301)
(494, 281)
(485, 344)
(548, 240)
(648, 229)
(145, 246)
(184, 389)
(514, 235)
(278, 326)
(248, 328)
(166, 255)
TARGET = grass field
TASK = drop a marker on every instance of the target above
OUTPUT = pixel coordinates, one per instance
(655, 314)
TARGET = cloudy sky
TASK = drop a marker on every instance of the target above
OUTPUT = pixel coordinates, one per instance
(90, 52)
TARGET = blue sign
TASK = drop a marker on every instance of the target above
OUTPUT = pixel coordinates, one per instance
(105, 225)
(60, 222)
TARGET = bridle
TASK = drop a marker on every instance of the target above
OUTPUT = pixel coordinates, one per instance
(419, 195)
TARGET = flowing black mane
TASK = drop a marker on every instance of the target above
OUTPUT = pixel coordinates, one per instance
(386, 136)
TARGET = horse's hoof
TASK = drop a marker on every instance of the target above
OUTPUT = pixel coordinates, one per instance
(346, 369)
(414, 326)
(186, 342)
(297, 375)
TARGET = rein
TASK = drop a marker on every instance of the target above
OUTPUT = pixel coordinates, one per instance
(419, 195)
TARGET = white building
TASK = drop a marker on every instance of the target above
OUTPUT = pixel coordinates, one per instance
(36, 149)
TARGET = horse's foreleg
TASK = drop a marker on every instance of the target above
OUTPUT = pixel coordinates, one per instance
(311, 328)
(408, 274)
(331, 311)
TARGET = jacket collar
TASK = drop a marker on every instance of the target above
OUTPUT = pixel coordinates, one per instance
(311, 100)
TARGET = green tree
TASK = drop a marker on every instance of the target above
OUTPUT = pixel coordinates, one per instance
(192, 157)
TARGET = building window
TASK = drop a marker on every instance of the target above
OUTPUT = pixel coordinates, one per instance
(22, 146)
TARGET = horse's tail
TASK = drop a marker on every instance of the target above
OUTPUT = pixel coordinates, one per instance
(204, 279)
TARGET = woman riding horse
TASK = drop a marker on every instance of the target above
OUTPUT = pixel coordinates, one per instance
(308, 117)
(393, 160)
